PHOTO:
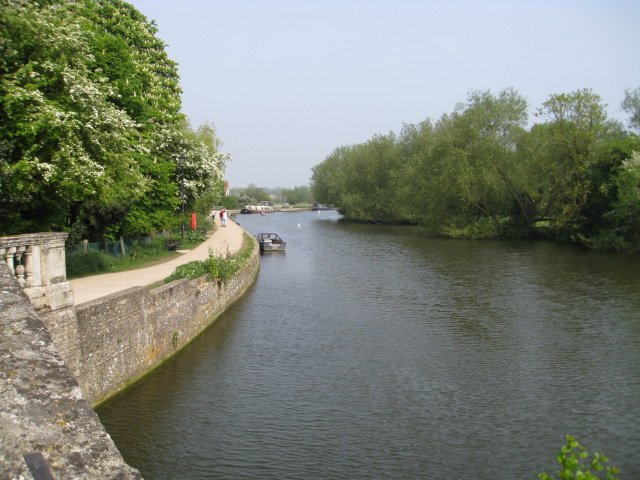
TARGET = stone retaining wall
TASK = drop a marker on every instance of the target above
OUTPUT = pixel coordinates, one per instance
(125, 335)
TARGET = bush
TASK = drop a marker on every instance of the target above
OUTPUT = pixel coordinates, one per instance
(216, 268)
(86, 263)
(189, 271)
(194, 237)
(482, 228)
(148, 250)
(570, 459)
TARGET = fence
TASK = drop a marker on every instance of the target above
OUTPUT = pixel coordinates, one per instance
(114, 248)
(121, 247)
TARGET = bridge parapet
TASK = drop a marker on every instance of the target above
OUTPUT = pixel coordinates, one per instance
(38, 262)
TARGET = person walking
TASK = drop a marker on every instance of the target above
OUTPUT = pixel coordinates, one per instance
(224, 217)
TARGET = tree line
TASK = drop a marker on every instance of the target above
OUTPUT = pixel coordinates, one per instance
(252, 194)
(481, 172)
(92, 139)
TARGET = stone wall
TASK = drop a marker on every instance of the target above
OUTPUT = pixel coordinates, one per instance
(125, 335)
(47, 387)
(42, 408)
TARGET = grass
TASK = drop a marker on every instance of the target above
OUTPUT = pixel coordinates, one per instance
(82, 264)
(216, 268)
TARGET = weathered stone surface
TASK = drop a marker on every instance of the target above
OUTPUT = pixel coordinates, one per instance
(124, 335)
(41, 405)
(104, 344)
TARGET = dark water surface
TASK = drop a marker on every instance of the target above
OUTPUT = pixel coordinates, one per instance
(373, 352)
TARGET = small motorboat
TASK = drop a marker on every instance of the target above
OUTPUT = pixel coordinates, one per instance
(271, 242)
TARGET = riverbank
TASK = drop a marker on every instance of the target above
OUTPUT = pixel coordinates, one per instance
(128, 323)
(124, 336)
(224, 240)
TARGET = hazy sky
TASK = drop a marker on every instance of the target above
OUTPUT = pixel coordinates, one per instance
(287, 81)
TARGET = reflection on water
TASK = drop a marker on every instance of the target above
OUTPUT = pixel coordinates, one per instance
(373, 352)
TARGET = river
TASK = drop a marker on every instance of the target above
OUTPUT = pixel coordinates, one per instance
(368, 351)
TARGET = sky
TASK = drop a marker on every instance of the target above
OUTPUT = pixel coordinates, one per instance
(286, 82)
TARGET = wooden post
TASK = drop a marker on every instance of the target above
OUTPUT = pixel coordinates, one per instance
(122, 246)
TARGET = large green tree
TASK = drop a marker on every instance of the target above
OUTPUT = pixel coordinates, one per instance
(568, 143)
(91, 134)
(631, 105)
(478, 172)
(61, 133)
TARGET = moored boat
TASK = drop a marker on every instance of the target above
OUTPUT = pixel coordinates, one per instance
(271, 242)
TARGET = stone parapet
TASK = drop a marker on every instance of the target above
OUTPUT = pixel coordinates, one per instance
(56, 361)
(42, 405)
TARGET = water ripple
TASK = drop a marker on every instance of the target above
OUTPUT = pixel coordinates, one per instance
(369, 352)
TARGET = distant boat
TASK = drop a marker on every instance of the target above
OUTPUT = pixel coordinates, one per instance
(319, 207)
(271, 242)
(262, 208)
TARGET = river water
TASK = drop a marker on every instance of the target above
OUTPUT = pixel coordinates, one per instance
(375, 352)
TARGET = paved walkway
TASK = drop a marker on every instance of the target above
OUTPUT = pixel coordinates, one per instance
(224, 239)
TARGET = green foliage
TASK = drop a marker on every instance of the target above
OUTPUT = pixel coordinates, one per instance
(61, 132)
(139, 253)
(192, 238)
(568, 148)
(571, 458)
(631, 105)
(215, 267)
(88, 263)
(484, 227)
(229, 202)
(479, 173)
(189, 271)
(619, 228)
(252, 194)
(148, 250)
(296, 195)
(90, 122)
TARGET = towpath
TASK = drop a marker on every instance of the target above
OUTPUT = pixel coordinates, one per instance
(223, 240)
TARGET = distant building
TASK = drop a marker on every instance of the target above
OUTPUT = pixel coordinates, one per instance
(225, 188)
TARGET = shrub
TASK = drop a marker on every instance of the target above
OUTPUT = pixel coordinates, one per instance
(85, 263)
(570, 459)
(482, 228)
(216, 268)
(189, 271)
(148, 250)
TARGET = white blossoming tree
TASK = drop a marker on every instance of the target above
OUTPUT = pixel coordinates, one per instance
(62, 137)
(90, 122)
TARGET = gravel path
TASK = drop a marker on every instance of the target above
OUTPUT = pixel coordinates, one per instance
(224, 239)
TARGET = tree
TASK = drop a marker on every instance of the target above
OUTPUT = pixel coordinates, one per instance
(479, 173)
(90, 124)
(631, 105)
(488, 129)
(62, 137)
(327, 177)
(202, 164)
(127, 49)
(297, 195)
(568, 141)
(254, 194)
